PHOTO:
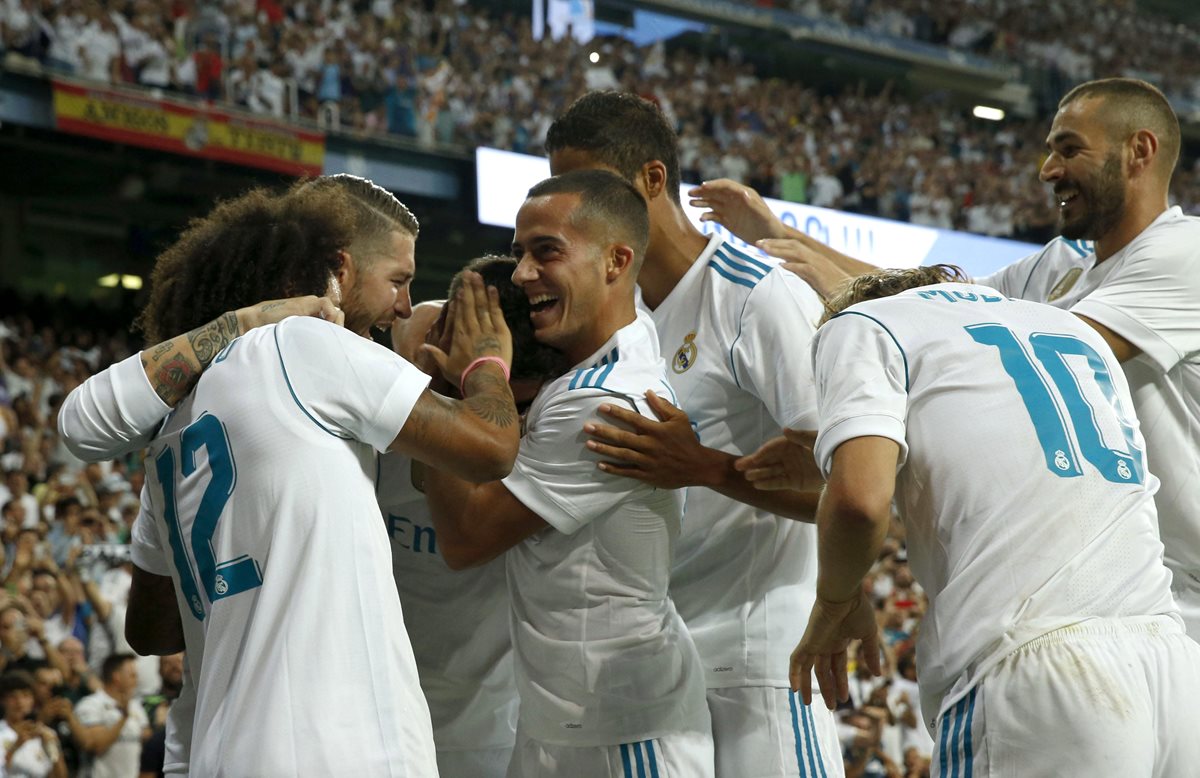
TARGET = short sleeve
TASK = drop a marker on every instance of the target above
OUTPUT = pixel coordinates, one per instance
(555, 474)
(771, 353)
(862, 384)
(145, 548)
(1153, 299)
(90, 711)
(111, 413)
(346, 384)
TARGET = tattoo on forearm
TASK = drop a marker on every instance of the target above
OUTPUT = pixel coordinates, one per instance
(172, 372)
(207, 341)
(173, 377)
(491, 399)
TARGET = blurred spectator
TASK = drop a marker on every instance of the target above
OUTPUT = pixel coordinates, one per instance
(112, 722)
(154, 749)
(31, 749)
(401, 106)
(208, 67)
(78, 679)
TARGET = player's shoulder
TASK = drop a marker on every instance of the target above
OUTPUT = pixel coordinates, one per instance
(744, 283)
(295, 328)
(627, 366)
(1173, 232)
(916, 307)
(738, 272)
(734, 271)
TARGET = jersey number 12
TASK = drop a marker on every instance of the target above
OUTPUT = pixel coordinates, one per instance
(220, 579)
(1062, 448)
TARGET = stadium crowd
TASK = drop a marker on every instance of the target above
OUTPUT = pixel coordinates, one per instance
(69, 685)
(1075, 40)
(456, 75)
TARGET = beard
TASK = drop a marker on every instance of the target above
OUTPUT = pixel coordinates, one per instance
(1104, 198)
(357, 321)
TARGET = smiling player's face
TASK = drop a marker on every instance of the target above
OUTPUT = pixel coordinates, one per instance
(561, 269)
(1084, 167)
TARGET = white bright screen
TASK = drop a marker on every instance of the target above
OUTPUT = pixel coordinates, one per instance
(503, 178)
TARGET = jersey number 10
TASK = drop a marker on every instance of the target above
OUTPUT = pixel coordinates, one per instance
(1062, 448)
(223, 579)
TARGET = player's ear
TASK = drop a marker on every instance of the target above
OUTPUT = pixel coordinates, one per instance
(1143, 149)
(653, 179)
(619, 261)
(344, 272)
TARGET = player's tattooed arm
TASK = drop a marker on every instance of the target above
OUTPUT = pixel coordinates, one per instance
(475, 438)
(174, 366)
(490, 397)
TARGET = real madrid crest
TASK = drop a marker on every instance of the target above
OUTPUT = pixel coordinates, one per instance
(685, 357)
(1065, 285)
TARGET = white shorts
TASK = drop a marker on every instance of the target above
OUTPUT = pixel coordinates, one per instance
(474, 763)
(1106, 697)
(768, 732)
(678, 755)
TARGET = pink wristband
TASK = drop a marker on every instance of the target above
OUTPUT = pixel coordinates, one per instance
(462, 380)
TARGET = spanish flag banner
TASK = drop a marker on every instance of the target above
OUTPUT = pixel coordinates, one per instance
(194, 129)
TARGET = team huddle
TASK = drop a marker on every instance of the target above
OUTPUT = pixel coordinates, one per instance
(577, 522)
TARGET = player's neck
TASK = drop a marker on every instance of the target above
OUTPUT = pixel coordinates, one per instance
(614, 318)
(1140, 214)
(675, 244)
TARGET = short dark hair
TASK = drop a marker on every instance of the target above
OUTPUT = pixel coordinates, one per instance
(1131, 104)
(531, 359)
(15, 681)
(377, 212)
(113, 664)
(887, 282)
(605, 200)
(259, 246)
(620, 130)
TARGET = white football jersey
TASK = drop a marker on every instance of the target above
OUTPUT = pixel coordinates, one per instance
(1023, 484)
(457, 622)
(602, 657)
(735, 331)
(261, 507)
(1149, 294)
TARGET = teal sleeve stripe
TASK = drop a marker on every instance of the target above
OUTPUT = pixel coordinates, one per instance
(746, 257)
(729, 276)
(739, 267)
